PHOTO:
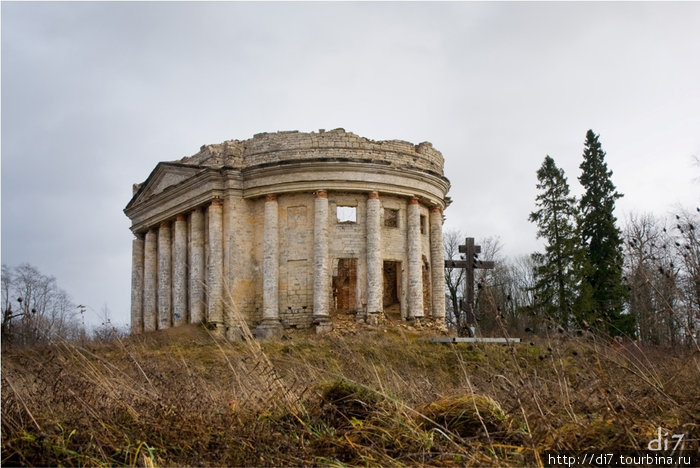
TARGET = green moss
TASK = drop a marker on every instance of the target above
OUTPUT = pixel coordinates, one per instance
(468, 415)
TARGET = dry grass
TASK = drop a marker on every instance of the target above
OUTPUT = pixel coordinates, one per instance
(376, 397)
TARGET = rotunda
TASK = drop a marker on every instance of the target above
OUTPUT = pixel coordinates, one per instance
(288, 229)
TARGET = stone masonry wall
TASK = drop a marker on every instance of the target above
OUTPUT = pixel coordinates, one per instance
(348, 238)
(240, 231)
(268, 148)
(296, 259)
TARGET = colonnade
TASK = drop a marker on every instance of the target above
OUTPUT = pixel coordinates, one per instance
(171, 285)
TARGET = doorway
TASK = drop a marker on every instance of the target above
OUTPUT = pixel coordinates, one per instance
(392, 286)
(345, 284)
(427, 305)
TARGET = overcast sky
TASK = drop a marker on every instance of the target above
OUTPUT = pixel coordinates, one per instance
(95, 94)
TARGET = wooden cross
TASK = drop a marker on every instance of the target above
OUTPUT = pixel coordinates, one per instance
(470, 263)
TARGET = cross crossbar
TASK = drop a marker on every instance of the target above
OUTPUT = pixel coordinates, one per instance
(465, 264)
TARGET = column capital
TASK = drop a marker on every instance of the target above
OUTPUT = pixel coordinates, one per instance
(217, 201)
(373, 195)
(413, 201)
(164, 224)
(181, 217)
(270, 197)
(436, 209)
(320, 194)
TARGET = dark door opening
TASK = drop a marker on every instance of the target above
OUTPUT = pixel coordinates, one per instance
(345, 285)
(427, 306)
(392, 284)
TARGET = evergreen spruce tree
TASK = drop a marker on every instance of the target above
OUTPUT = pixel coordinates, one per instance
(555, 281)
(601, 291)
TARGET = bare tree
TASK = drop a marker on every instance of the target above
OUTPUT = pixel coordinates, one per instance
(662, 268)
(493, 295)
(643, 236)
(503, 294)
(107, 331)
(522, 278)
(454, 279)
(42, 310)
(687, 246)
(7, 313)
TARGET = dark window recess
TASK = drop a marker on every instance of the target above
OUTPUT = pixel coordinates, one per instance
(391, 218)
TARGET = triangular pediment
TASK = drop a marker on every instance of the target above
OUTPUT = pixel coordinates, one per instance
(163, 177)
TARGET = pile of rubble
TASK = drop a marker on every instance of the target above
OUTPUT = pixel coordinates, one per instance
(347, 324)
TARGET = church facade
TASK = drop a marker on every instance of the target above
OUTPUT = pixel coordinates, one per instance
(288, 229)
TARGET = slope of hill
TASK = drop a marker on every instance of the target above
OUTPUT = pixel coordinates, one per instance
(370, 396)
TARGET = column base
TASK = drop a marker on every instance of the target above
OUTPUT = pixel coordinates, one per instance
(373, 318)
(238, 331)
(268, 328)
(322, 324)
(440, 324)
(218, 328)
(416, 321)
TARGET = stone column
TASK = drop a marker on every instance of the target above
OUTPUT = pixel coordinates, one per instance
(215, 276)
(238, 244)
(375, 278)
(180, 271)
(437, 263)
(137, 261)
(150, 281)
(164, 276)
(322, 278)
(196, 274)
(227, 279)
(270, 324)
(415, 267)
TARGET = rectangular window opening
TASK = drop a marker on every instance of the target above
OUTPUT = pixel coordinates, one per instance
(391, 218)
(346, 214)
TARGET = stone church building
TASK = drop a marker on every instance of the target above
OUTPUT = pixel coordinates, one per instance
(288, 229)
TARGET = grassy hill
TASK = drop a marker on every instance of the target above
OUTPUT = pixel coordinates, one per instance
(366, 396)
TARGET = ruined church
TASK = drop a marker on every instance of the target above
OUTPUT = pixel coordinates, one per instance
(288, 229)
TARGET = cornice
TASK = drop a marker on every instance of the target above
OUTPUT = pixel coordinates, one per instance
(356, 176)
(186, 196)
(302, 176)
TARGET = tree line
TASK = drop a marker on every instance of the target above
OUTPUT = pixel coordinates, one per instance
(35, 310)
(641, 281)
